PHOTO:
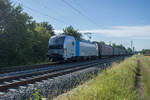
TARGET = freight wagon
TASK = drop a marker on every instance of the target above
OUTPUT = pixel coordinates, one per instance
(104, 50)
(115, 51)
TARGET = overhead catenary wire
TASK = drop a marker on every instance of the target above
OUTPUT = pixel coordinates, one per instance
(48, 9)
(78, 4)
(79, 12)
(58, 20)
(43, 14)
(53, 18)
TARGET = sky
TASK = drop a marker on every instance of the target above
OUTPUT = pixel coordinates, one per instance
(115, 21)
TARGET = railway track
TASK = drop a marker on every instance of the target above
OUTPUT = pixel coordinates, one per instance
(32, 77)
(27, 67)
(30, 67)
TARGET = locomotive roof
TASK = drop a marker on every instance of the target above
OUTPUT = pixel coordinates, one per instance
(82, 40)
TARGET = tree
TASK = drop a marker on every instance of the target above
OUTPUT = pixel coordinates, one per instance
(72, 32)
(129, 49)
(22, 40)
(114, 45)
(102, 42)
(47, 27)
(145, 51)
(5, 8)
(14, 37)
(43, 31)
(119, 46)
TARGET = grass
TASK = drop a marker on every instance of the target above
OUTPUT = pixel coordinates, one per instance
(145, 73)
(116, 83)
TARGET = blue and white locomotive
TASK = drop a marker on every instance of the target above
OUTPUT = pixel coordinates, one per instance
(65, 47)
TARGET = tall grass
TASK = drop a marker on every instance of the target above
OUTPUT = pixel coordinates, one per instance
(145, 72)
(116, 83)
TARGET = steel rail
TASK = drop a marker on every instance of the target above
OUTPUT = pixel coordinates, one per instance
(49, 75)
(26, 67)
(4, 70)
(37, 73)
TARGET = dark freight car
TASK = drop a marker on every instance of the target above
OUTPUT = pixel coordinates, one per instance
(105, 50)
(115, 51)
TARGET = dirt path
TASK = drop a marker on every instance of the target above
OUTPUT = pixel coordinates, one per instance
(138, 82)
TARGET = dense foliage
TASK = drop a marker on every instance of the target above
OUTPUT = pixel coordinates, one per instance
(22, 40)
(71, 31)
(145, 51)
(118, 46)
(102, 42)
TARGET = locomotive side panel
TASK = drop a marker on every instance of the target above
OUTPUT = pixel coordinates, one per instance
(88, 49)
(69, 47)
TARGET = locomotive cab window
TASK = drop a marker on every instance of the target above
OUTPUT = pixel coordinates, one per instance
(56, 43)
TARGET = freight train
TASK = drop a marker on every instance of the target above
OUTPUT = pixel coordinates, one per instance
(66, 48)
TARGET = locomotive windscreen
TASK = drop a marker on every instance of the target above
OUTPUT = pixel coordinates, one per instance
(57, 41)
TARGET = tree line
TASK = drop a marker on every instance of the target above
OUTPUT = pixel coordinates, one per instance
(22, 40)
(145, 52)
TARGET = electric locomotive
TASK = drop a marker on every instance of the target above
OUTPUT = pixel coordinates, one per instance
(65, 47)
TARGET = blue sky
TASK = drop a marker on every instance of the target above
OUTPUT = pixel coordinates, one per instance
(118, 21)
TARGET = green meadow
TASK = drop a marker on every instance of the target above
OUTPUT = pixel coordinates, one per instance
(128, 80)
